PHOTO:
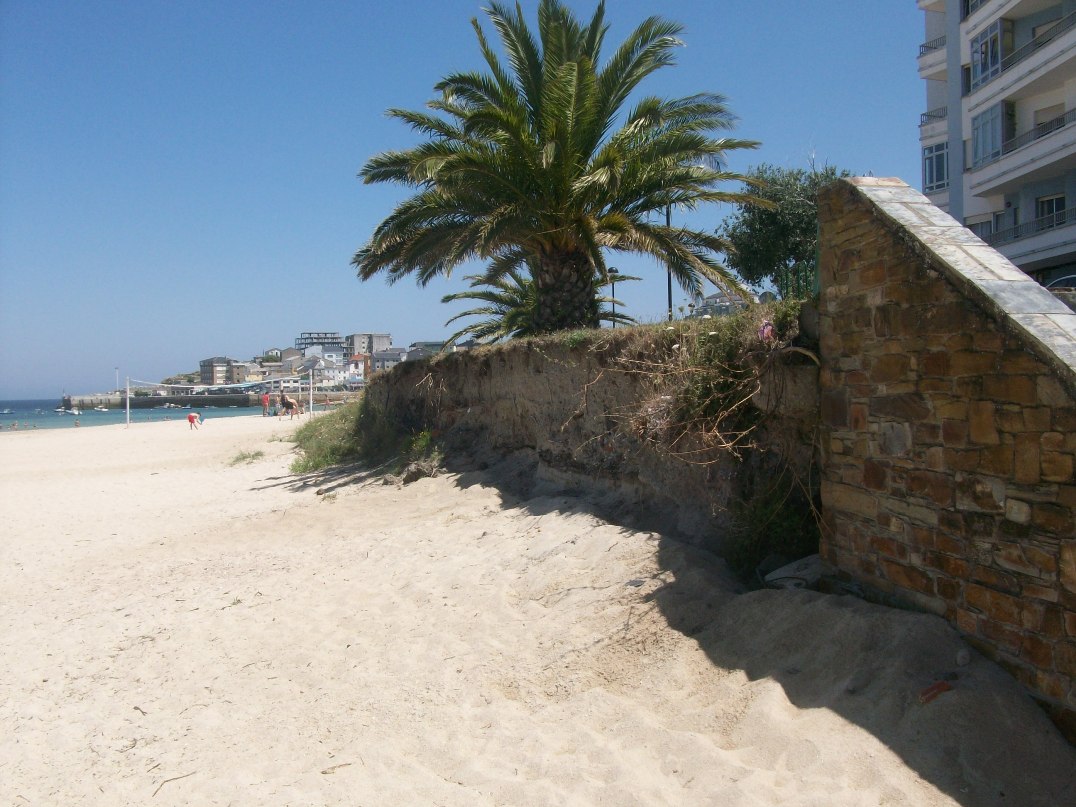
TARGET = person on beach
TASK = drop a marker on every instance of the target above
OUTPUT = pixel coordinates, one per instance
(265, 404)
(193, 419)
(288, 405)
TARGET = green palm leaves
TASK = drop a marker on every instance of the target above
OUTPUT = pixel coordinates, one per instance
(535, 166)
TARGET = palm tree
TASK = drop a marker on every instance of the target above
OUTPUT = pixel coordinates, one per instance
(525, 166)
(510, 303)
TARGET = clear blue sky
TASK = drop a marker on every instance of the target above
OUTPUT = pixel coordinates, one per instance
(178, 179)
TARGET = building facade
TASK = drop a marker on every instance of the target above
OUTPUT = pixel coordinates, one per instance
(998, 136)
(367, 342)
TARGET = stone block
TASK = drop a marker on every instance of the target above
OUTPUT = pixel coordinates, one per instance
(1065, 658)
(996, 460)
(1011, 558)
(888, 547)
(1057, 467)
(1070, 623)
(967, 362)
(1027, 468)
(1050, 392)
(1053, 441)
(981, 428)
(935, 364)
(1067, 563)
(948, 589)
(1038, 419)
(834, 406)
(951, 409)
(939, 488)
(967, 621)
(848, 498)
(1020, 362)
(891, 367)
(1011, 388)
(1009, 419)
(1017, 511)
(991, 341)
(982, 494)
(1045, 592)
(1003, 635)
(1053, 518)
(906, 407)
(950, 566)
(874, 475)
(996, 580)
(954, 434)
(907, 577)
(934, 458)
(894, 439)
(1037, 652)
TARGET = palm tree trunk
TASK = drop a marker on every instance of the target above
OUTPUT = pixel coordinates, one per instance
(565, 296)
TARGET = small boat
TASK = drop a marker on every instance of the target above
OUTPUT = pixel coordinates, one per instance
(7, 411)
(100, 409)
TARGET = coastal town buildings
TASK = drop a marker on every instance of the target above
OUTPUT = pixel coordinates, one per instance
(998, 136)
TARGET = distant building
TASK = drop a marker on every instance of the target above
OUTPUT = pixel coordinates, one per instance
(429, 347)
(367, 342)
(324, 339)
(388, 358)
(214, 371)
(327, 352)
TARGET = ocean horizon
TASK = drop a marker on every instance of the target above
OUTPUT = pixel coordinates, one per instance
(40, 413)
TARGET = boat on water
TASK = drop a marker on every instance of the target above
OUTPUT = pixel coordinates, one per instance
(7, 411)
(74, 410)
(100, 409)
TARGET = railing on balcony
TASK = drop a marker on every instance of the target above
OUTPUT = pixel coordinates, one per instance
(1030, 136)
(1024, 51)
(1029, 228)
(934, 115)
(932, 45)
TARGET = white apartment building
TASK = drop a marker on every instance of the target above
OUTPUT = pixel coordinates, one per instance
(998, 136)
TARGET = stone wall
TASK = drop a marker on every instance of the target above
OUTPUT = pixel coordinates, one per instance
(578, 412)
(948, 396)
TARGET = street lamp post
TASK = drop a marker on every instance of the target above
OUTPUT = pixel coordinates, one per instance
(668, 224)
(613, 272)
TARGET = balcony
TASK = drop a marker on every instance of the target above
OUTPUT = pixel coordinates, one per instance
(934, 116)
(1037, 47)
(1039, 243)
(932, 59)
(933, 125)
(1047, 149)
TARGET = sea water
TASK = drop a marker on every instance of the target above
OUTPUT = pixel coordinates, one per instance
(40, 414)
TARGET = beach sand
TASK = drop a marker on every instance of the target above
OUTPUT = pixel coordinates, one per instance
(178, 629)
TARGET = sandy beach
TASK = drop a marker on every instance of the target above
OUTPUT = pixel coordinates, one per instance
(182, 624)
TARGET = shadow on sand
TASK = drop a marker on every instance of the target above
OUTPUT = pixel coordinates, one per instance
(981, 740)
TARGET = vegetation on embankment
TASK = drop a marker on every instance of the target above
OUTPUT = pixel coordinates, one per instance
(685, 394)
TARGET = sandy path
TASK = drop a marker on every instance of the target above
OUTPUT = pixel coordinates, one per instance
(175, 629)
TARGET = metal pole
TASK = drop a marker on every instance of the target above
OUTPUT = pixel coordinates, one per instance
(128, 402)
(668, 223)
(613, 272)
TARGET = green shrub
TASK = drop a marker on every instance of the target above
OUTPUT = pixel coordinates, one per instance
(359, 432)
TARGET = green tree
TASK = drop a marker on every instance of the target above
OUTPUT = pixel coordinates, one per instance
(510, 304)
(536, 165)
(779, 242)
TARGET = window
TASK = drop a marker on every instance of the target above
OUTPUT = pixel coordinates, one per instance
(989, 131)
(935, 167)
(983, 229)
(1050, 211)
(987, 50)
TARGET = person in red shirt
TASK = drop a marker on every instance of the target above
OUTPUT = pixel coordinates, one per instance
(193, 419)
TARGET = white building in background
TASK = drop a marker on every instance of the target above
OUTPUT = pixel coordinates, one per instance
(998, 135)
